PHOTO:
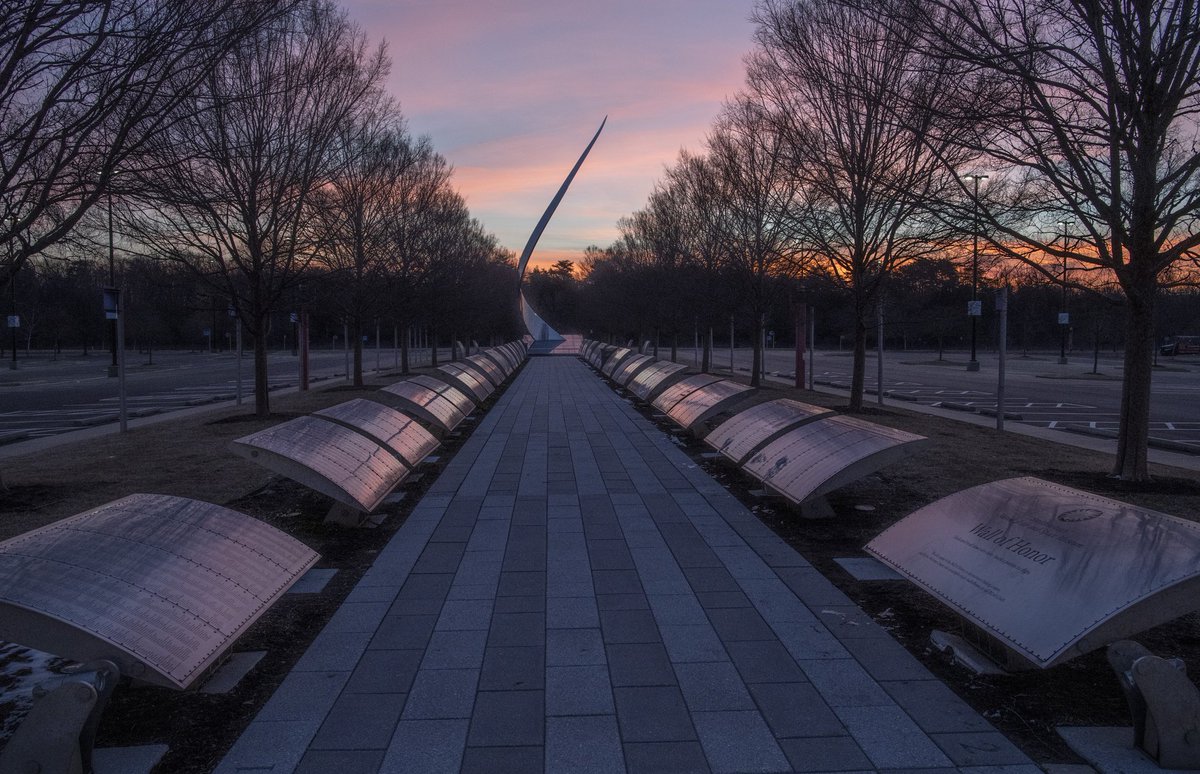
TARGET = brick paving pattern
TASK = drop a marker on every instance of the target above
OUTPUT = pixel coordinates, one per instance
(574, 594)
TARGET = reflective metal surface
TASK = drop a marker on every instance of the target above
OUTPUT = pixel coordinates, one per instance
(739, 436)
(461, 400)
(1049, 571)
(467, 380)
(427, 404)
(824, 454)
(488, 368)
(386, 426)
(160, 585)
(630, 369)
(533, 322)
(334, 460)
(502, 358)
(615, 360)
(681, 389)
(707, 401)
(653, 377)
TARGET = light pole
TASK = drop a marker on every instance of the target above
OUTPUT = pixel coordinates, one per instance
(13, 319)
(112, 283)
(974, 309)
(1064, 318)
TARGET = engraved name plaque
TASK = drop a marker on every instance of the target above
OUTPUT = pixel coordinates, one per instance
(630, 368)
(322, 455)
(1048, 571)
(708, 401)
(825, 454)
(389, 428)
(657, 377)
(615, 360)
(160, 585)
(667, 399)
(743, 433)
(487, 367)
(466, 380)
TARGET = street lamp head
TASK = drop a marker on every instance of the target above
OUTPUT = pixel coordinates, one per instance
(974, 177)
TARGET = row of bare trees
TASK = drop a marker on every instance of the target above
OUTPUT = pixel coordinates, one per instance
(865, 129)
(250, 141)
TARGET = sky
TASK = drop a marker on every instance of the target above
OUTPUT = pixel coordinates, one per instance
(510, 92)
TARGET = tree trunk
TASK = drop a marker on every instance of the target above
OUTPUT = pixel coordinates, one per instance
(756, 347)
(356, 332)
(706, 366)
(858, 377)
(405, 333)
(262, 395)
(1133, 433)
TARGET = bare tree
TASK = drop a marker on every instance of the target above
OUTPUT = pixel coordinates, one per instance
(858, 101)
(1088, 111)
(355, 212)
(759, 191)
(230, 187)
(84, 84)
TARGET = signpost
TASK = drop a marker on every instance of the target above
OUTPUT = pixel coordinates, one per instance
(113, 303)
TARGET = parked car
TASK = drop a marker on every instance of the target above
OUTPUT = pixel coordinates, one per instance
(1181, 345)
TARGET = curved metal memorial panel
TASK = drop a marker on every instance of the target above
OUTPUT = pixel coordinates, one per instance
(393, 430)
(1049, 571)
(502, 358)
(461, 400)
(160, 585)
(656, 377)
(334, 460)
(742, 434)
(825, 454)
(429, 404)
(681, 389)
(466, 380)
(488, 368)
(615, 360)
(708, 401)
(630, 368)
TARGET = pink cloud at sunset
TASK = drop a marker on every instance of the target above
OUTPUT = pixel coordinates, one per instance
(510, 92)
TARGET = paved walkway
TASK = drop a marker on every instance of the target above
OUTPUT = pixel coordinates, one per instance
(573, 594)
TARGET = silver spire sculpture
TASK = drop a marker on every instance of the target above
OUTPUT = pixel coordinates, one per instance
(537, 327)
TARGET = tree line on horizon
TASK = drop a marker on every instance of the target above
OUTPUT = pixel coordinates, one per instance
(878, 140)
(238, 155)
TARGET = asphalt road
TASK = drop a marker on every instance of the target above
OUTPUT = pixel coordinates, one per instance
(1038, 391)
(46, 396)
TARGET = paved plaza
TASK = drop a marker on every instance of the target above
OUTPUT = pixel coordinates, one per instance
(574, 594)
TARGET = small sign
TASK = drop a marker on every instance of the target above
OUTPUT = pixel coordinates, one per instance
(112, 303)
(1064, 318)
(208, 331)
(14, 321)
(975, 308)
(293, 317)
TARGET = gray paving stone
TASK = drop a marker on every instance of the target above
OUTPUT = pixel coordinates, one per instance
(427, 746)
(385, 671)
(574, 647)
(304, 696)
(534, 603)
(980, 749)
(616, 582)
(508, 718)
(809, 641)
(844, 683)
(583, 745)
(269, 746)
(341, 761)
(885, 659)
(465, 615)
(333, 652)
(719, 600)
(890, 738)
(571, 613)
(796, 710)
(622, 602)
(738, 741)
(442, 693)
(461, 592)
(639, 664)
(666, 758)
(713, 687)
(455, 650)
(513, 668)
(522, 583)
(503, 760)
(825, 753)
(687, 644)
(628, 626)
(739, 624)
(360, 721)
(934, 707)
(581, 690)
(653, 714)
(404, 632)
(509, 629)
(764, 661)
(677, 609)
